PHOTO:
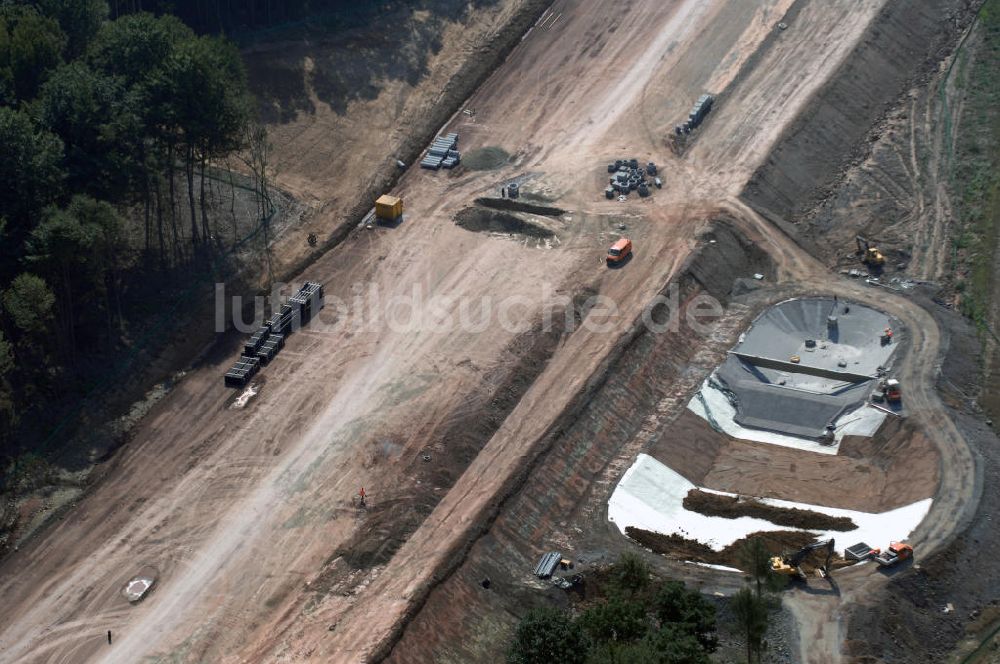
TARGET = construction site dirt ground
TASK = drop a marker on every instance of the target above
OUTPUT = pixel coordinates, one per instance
(480, 448)
(896, 467)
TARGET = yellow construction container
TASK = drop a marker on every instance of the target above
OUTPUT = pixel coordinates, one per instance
(389, 207)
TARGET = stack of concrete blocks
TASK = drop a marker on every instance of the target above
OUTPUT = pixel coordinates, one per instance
(443, 153)
(697, 114)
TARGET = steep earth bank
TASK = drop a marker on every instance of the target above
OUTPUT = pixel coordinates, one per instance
(905, 44)
(561, 503)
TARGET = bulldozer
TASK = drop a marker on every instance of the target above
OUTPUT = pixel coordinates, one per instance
(788, 564)
(870, 255)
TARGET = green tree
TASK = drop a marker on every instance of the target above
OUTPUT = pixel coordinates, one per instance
(109, 256)
(615, 621)
(80, 21)
(6, 357)
(668, 645)
(28, 302)
(6, 73)
(92, 115)
(630, 574)
(36, 46)
(639, 652)
(547, 636)
(60, 247)
(756, 561)
(30, 176)
(8, 414)
(137, 48)
(687, 610)
(191, 100)
(80, 248)
(751, 618)
(208, 103)
(677, 644)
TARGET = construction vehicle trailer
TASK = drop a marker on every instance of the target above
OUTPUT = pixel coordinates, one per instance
(895, 554)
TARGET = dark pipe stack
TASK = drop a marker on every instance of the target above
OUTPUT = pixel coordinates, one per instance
(264, 344)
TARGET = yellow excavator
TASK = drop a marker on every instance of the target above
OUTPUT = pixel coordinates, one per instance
(788, 564)
(870, 255)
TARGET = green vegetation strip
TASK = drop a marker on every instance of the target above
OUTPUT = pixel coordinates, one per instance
(976, 175)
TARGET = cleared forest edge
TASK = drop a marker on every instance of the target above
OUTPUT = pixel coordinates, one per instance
(474, 71)
(189, 345)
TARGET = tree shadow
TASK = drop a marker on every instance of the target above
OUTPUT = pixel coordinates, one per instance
(346, 54)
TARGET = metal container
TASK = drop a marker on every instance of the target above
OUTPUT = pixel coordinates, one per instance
(389, 207)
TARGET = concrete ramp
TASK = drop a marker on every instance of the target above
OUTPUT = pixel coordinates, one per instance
(793, 367)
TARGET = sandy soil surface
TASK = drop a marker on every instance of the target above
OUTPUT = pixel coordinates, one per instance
(248, 515)
(896, 467)
(341, 107)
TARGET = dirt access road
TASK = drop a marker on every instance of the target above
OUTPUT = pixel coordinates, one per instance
(243, 512)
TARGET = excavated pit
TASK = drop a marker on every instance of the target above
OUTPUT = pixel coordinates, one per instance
(805, 365)
(514, 205)
(482, 220)
(488, 158)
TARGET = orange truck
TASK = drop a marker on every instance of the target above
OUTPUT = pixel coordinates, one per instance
(620, 251)
(895, 554)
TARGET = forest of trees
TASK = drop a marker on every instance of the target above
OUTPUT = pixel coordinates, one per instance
(246, 16)
(108, 122)
(638, 620)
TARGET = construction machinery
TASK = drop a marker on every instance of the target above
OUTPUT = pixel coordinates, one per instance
(788, 564)
(870, 255)
(895, 554)
(891, 391)
(886, 337)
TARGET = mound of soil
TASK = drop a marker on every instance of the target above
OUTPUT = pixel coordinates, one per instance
(485, 159)
(492, 221)
(733, 507)
(678, 547)
(513, 205)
